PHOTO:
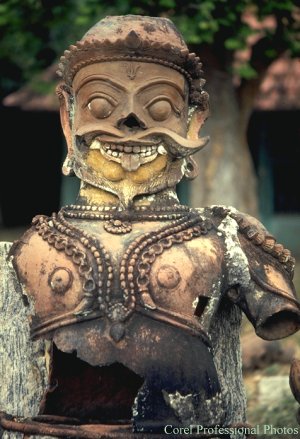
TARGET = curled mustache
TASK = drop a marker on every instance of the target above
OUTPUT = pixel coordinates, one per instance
(178, 146)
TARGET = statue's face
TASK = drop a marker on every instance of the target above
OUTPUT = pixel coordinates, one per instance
(119, 104)
(128, 128)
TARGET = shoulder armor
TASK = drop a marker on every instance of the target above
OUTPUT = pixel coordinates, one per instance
(258, 237)
(271, 266)
(55, 272)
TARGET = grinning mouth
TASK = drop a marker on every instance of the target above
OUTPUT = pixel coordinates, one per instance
(130, 155)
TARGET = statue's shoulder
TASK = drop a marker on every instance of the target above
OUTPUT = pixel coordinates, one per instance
(255, 239)
(270, 264)
(32, 242)
(39, 253)
(29, 253)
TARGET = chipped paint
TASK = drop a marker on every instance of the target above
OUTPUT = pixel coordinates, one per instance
(236, 260)
(195, 303)
(195, 408)
(211, 307)
(191, 111)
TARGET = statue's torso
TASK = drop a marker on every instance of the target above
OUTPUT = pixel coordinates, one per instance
(156, 298)
(169, 269)
(154, 289)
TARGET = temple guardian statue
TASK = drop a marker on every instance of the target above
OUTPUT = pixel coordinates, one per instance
(121, 314)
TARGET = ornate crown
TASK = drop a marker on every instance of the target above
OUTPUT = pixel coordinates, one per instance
(135, 38)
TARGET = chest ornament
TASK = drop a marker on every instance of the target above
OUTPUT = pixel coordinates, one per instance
(117, 226)
(100, 279)
(60, 280)
(168, 277)
(119, 221)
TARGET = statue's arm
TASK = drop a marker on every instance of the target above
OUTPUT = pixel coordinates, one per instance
(269, 300)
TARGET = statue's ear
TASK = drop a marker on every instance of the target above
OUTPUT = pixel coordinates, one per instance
(198, 118)
(196, 122)
(65, 95)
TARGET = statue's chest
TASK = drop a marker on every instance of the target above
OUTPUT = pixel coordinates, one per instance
(85, 271)
(163, 265)
(171, 271)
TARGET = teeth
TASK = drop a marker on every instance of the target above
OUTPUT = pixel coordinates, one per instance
(161, 150)
(95, 144)
(127, 155)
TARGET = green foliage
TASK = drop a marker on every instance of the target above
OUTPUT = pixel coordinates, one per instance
(272, 370)
(36, 32)
(41, 87)
(246, 71)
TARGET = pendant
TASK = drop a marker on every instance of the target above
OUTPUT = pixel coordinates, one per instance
(117, 227)
(117, 331)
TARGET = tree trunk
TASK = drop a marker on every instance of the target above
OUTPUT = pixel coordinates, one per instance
(226, 174)
(22, 362)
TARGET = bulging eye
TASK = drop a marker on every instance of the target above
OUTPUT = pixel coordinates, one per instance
(160, 110)
(100, 107)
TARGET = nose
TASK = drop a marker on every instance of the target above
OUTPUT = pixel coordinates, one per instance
(131, 123)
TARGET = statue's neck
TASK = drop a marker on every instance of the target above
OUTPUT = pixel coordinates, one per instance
(90, 195)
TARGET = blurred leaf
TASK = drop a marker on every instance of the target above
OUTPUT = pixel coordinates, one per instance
(234, 44)
(271, 53)
(42, 87)
(246, 71)
(167, 3)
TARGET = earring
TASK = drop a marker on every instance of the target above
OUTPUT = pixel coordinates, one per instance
(191, 168)
(67, 167)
